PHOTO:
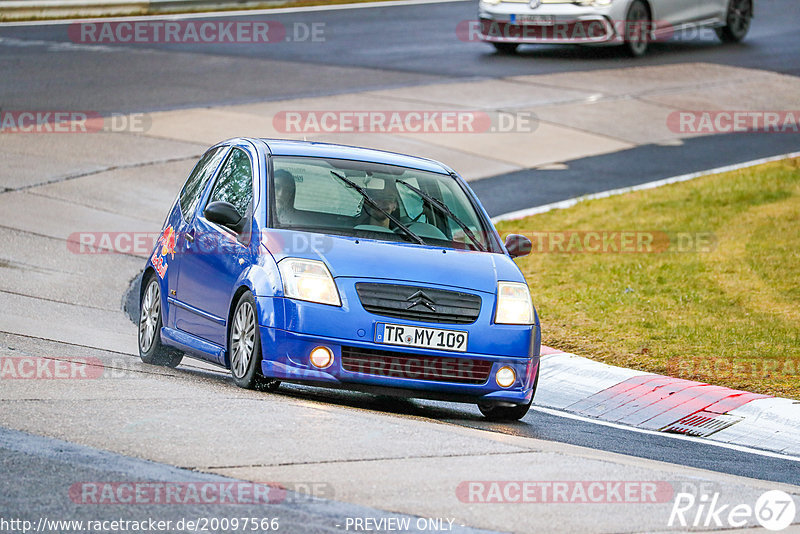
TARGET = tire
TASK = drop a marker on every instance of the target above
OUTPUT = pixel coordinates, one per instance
(737, 21)
(509, 413)
(637, 29)
(151, 350)
(505, 413)
(244, 347)
(506, 48)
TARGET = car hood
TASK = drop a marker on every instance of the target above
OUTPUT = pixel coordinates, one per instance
(366, 258)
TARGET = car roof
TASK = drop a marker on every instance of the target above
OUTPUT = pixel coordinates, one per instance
(286, 147)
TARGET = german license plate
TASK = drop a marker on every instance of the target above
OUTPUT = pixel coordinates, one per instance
(534, 20)
(419, 336)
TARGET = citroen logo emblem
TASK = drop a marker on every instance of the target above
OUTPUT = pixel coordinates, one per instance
(535, 3)
(420, 298)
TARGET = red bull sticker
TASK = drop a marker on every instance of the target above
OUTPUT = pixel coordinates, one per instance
(164, 246)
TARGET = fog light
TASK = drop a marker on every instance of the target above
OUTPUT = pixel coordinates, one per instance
(321, 357)
(505, 377)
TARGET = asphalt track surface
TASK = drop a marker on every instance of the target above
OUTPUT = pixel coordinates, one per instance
(366, 48)
(42, 69)
(37, 481)
(540, 425)
(645, 163)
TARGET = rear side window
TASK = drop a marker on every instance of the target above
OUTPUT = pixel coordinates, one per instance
(235, 182)
(196, 183)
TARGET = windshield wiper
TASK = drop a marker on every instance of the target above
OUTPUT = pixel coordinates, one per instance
(444, 209)
(375, 205)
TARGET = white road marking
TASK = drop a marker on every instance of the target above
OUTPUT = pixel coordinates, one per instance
(60, 46)
(706, 441)
(568, 203)
(228, 14)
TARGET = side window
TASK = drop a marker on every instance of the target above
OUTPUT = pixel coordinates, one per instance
(235, 182)
(196, 183)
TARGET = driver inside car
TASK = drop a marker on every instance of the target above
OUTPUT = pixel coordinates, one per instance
(284, 197)
(387, 200)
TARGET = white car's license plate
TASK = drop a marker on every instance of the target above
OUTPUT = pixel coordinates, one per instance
(534, 20)
(418, 336)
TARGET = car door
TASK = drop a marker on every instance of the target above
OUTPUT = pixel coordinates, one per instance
(172, 238)
(667, 14)
(712, 9)
(210, 264)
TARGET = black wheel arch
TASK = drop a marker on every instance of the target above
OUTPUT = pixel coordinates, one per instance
(145, 276)
(241, 290)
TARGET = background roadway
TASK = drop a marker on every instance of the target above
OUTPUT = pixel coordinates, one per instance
(367, 48)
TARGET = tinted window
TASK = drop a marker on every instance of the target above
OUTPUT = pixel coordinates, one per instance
(196, 183)
(235, 182)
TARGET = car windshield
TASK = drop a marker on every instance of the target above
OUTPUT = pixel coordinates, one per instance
(375, 201)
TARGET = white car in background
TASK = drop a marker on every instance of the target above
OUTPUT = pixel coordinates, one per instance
(633, 23)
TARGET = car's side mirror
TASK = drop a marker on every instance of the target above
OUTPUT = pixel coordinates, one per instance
(224, 214)
(518, 245)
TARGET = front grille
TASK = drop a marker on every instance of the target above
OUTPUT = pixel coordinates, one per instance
(419, 303)
(403, 365)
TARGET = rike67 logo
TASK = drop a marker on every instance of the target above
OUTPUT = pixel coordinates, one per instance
(774, 510)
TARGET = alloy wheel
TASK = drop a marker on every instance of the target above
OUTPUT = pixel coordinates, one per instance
(243, 336)
(149, 315)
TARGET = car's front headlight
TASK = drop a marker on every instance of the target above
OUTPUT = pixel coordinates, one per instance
(308, 280)
(513, 304)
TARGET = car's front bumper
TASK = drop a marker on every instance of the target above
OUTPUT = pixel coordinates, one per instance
(571, 24)
(290, 329)
(289, 360)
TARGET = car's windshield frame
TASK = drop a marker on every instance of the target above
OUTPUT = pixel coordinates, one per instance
(490, 241)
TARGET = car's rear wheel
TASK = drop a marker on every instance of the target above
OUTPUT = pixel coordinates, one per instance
(637, 29)
(244, 347)
(737, 21)
(506, 48)
(151, 350)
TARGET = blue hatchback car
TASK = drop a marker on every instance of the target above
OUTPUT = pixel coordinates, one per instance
(342, 267)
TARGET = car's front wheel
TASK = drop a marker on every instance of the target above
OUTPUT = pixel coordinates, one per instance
(244, 347)
(493, 412)
(637, 29)
(504, 413)
(151, 350)
(737, 21)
